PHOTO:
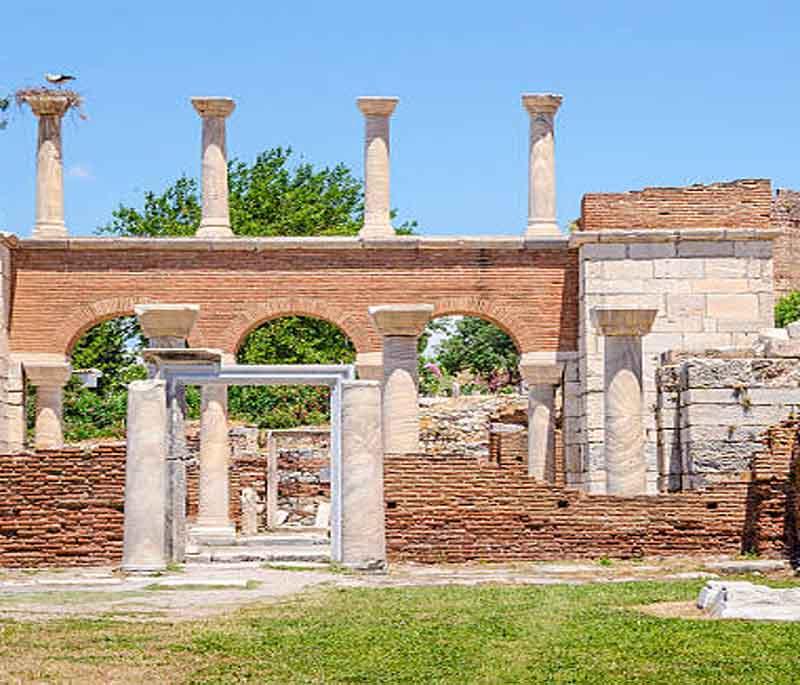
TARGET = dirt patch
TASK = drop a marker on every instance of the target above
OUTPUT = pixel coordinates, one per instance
(673, 610)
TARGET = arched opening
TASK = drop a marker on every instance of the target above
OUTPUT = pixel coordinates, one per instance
(467, 355)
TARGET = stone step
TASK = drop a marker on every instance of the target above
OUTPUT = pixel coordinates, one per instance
(267, 540)
(295, 553)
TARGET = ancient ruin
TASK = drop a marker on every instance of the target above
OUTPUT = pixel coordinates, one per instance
(661, 400)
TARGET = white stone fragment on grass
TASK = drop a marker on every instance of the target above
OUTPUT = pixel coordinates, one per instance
(743, 600)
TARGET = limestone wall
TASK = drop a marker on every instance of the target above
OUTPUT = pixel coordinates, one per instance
(709, 288)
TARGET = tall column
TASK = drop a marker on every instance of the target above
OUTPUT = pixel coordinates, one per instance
(542, 379)
(377, 204)
(216, 221)
(362, 516)
(144, 539)
(213, 519)
(49, 378)
(49, 108)
(623, 328)
(400, 325)
(542, 108)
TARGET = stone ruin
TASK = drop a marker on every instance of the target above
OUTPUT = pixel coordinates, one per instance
(652, 370)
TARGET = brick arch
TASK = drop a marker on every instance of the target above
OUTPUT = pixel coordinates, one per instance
(502, 317)
(89, 315)
(252, 316)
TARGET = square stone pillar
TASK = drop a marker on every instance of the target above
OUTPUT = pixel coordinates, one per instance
(377, 203)
(216, 220)
(49, 378)
(400, 325)
(144, 546)
(542, 374)
(49, 108)
(362, 517)
(623, 328)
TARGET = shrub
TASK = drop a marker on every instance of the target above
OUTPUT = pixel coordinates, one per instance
(787, 309)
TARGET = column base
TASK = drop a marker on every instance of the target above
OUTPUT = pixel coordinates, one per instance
(377, 231)
(543, 229)
(143, 568)
(214, 231)
(49, 231)
(212, 535)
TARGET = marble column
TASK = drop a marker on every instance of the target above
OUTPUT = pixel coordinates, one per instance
(542, 108)
(49, 378)
(213, 518)
(623, 328)
(362, 516)
(377, 204)
(400, 325)
(215, 221)
(542, 378)
(144, 540)
(49, 108)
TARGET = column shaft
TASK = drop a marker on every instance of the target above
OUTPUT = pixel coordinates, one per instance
(145, 477)
(362, 516)
(377, 203)
(400, 396)
(49, 412)
(49, 179)
(541, 435)
(213, 498)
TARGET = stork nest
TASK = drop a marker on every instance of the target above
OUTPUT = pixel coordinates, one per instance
(73, 98)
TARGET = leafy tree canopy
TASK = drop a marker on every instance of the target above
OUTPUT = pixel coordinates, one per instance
(787, 309)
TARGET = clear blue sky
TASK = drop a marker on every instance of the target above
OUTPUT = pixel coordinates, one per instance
(655, 94)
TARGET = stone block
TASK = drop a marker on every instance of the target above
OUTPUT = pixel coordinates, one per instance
(652, 250)
(727, 267)
(721, 285)
(679, 268)
(760, 249)
(706, 341)
(625, 269)
(742, 307)
(603, 252)
(704, 248)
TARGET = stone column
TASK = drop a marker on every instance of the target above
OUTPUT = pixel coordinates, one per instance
(377, 206)
(144, 548)
(213, 519)
(272, 482)
(49, 378)
(623, 328)
(542, 378)
(362, 516)
(369, 366)
(216, 222)
(400, 325)
(49, 108)
(542, 108)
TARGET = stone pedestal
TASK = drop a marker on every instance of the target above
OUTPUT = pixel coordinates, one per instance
(400, 326)
(362, 516)
(213, 519)
(626, 467)
(377, 204)
(215, 222)
(542, 378)
(542, 108)
(49, 378)
(50, 109)
(145, 477)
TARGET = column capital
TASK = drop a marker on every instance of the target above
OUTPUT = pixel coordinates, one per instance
(623, 321)
(48, 374)
(159, 321)
(377, 105)
(537, 369)
(541, 103)
(213, 106)
(48, 104)
(369, 366)
(401, 319)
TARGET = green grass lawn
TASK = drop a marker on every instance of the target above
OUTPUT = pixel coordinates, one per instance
(556, 634)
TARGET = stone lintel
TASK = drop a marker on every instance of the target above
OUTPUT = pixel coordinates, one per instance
(167, 320)
(213, 106)
(377, 105)
(185, 355)
(668, 235)
(623, 321)
(541, 103)
(47, 104)
(48, 373)
(401, 319)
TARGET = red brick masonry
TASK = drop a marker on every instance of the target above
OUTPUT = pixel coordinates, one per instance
(738, 204)
(64, 508)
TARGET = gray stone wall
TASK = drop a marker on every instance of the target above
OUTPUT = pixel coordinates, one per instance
(12, 389)
(709, 293)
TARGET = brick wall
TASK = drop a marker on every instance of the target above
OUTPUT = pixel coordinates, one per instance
(786, 216)
(59, 293)
(737, 204)
(62, 507)
(455, 510)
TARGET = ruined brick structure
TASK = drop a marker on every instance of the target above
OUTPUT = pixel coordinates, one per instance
(595, 315)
